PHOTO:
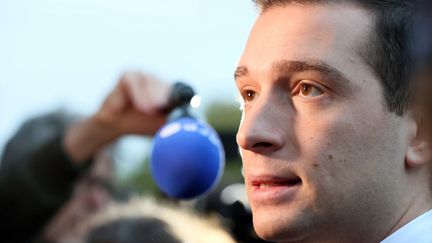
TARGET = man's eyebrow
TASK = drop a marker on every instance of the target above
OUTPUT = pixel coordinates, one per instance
(302, 66)
(288, 67)
(330, 73)
(240, 71)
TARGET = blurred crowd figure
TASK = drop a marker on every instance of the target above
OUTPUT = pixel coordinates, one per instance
(92, 192)
(57, 170)
(37, 182)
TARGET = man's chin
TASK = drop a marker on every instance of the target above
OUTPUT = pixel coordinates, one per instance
(279, 228)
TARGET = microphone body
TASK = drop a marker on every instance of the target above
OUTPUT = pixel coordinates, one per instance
(187, 159)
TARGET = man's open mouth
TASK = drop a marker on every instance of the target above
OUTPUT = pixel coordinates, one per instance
(269, 183)
(274, 189)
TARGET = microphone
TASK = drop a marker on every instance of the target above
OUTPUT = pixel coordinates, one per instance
(187, 159)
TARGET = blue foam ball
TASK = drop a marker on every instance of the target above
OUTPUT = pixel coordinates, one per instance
(187, 159)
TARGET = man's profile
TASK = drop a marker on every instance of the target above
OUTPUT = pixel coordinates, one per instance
(331, 150)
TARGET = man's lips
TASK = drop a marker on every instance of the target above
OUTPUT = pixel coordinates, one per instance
(261, 182)
(273, 189)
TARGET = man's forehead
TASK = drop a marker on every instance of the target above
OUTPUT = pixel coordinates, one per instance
(308, 32)
(318, 17)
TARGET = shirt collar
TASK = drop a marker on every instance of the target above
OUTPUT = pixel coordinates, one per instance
(418, 230)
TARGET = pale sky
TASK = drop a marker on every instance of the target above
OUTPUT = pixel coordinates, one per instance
(68, 53)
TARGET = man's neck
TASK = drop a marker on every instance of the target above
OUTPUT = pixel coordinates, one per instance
(419, 206)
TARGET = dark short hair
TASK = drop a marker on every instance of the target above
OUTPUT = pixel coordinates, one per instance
(388, 50)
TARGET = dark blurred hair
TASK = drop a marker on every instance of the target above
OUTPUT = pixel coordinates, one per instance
(388, 50)
(422, 35)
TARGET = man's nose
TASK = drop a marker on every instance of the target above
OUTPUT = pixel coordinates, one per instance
(261, 129)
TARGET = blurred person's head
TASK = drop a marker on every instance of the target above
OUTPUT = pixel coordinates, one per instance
(91, 193)
(330, 147)
(36, 150)
(146, 220)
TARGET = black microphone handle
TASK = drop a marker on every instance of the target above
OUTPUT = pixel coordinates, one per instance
(180, 96)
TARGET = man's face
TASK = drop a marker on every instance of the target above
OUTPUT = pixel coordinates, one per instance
(321, 154)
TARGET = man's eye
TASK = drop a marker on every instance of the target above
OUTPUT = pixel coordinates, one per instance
(309, 90)
(249, 95)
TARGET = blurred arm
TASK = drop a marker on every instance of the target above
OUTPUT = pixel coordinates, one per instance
(135, 106)
(44, 159)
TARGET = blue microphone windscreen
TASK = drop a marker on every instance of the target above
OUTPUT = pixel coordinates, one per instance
(187, 159)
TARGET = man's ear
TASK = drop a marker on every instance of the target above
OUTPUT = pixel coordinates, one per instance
(419, 151)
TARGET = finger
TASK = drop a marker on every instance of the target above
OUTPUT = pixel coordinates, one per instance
(117, 100)
(162, 94)
(114, 104)
(157, 93)
(132, 82)
(148, 93)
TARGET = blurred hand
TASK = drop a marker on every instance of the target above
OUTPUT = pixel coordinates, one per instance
(135, 106)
